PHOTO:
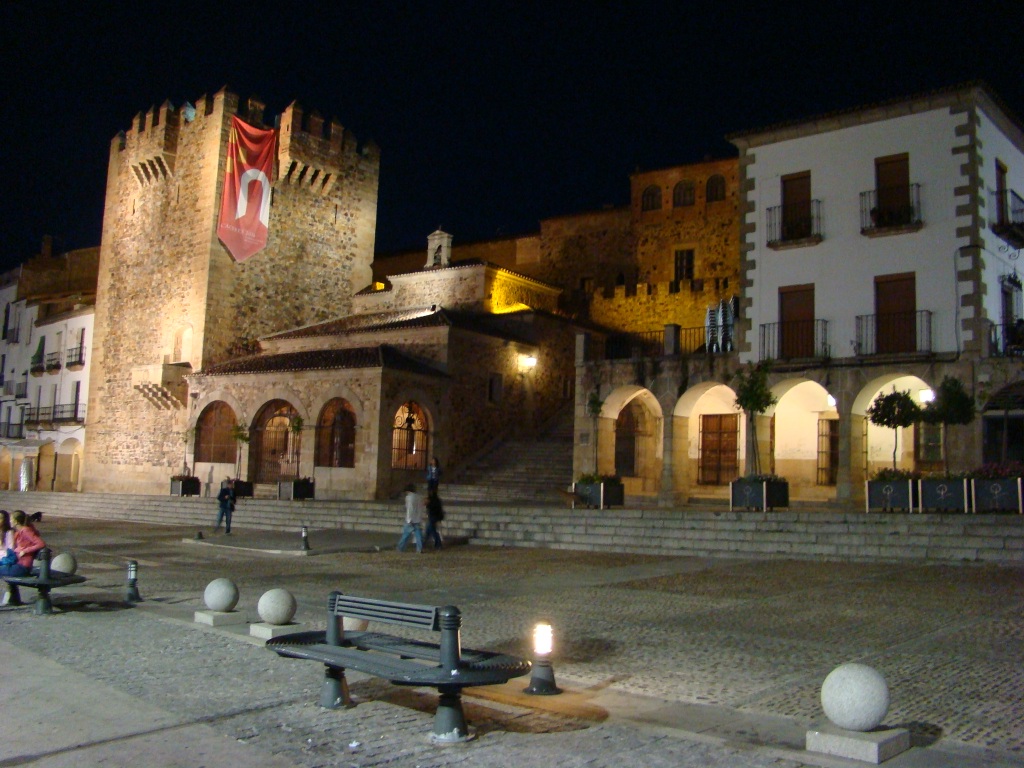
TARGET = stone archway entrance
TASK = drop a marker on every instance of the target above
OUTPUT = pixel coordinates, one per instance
(270, 454)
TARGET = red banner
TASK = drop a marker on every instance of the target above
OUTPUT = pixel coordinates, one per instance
(245, 201)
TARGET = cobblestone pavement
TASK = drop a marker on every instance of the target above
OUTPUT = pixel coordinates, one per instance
(665, 661)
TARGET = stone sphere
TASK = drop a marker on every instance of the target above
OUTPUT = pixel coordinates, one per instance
(277, 606)
(65, 562)
(855, 697)
(221, 595)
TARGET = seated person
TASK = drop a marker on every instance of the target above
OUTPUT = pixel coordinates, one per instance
(27, 542)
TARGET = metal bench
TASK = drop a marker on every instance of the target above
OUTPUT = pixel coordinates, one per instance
(41, 579)
(445, 666)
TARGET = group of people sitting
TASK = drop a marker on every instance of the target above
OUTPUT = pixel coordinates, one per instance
(19, 543)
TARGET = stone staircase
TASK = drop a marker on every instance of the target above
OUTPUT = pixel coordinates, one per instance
(531, 471)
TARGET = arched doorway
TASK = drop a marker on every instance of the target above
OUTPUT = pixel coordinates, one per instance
(629, 439)
(410, 437)
(270, 445)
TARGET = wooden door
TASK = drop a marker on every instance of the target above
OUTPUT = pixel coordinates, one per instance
(796, 206)
(896, 314)
(796, 321)
(718, 458)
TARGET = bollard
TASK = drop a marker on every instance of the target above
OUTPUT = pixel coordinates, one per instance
(305, 539)
(132, 594)
(542, 681)
(199, 535)
(43, 605)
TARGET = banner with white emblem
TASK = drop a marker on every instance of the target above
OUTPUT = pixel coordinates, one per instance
(245, 200)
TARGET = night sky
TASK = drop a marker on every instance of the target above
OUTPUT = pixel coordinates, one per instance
(490, 115)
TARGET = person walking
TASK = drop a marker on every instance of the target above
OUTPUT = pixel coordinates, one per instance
(413, 519)
(435, 514)
(226, 502)
(433, 475)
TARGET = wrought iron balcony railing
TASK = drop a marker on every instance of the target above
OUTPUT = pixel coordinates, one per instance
(793, 339)
(75, 356)
(52, 361)
(621, 346)
(16, 431)
(895, 333)
(1009, 223)
(57, 413)
(1006, 339)
(890, 209)
(794, 224)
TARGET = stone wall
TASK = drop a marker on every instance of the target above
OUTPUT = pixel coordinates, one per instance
(165, 280)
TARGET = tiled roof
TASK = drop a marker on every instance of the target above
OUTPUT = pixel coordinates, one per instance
(380, 356)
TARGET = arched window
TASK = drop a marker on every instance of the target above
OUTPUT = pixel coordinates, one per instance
(684, 194)
(716, 188)
(409, 438)
(651, 200)
(336, 435)
(214, 442)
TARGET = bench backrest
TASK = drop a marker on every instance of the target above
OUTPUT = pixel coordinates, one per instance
(404, 614)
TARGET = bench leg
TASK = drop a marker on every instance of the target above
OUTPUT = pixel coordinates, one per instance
(334, 692)
(43, 604)
(450, 721)
(15, 595)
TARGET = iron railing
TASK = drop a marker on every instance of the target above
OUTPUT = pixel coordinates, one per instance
(54, 413)
(75, 356)
(52, 361)
(622, 346)
(890, 208)
(1006, 339)
(16, 431)
(794, 224)
(793, 339)
(894, 333)
(21, 390)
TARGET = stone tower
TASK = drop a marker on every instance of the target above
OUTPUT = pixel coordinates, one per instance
(170, 298)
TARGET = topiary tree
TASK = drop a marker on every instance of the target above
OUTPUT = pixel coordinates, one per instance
(894, 410)
(753, 397)
(952, 405)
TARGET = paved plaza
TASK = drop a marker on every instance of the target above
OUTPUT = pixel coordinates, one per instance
(665, 661)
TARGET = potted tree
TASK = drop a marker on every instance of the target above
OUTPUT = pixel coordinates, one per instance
(952, 405)
(240, 433)
(599, 491)
(893, 410)
(184, 483)
(756, 490)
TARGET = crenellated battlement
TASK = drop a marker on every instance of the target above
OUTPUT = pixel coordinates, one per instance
(311, 156)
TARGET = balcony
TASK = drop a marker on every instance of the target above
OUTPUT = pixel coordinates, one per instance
(692, 341)
(21, 390)
(890, 211)
(74, 358)
(623, 346)
(56, 414)
(794, 226)
(14, 431)
(1009, 223)
(795, 339)
(1006, 339)
(52, 362)
(898, 333)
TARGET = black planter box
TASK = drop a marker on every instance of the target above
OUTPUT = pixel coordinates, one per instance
(296, 490)
(243, 489)
(758, 494)
(943, 495)
(189, 486)
(590, 494)
(997, 495)
(891, 495)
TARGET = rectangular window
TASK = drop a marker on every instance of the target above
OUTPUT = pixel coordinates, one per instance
(1002, 216)
(683, 264)
(928, 447)
(495, 386)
